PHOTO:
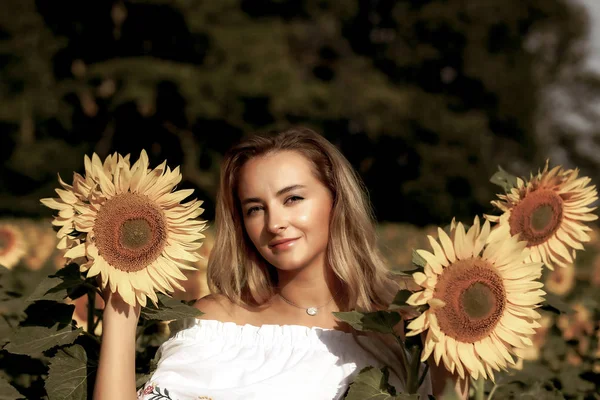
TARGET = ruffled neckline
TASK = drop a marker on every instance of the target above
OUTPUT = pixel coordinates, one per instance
(267, 335)
(272, 327)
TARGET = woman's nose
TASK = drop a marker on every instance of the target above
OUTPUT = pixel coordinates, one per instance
(276, 221)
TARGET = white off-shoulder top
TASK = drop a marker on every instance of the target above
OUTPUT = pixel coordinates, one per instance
(207, 359)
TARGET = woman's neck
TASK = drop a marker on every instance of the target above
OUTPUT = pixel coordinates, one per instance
(309, 287)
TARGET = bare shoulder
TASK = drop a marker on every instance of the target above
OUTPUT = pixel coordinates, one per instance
(218, 307)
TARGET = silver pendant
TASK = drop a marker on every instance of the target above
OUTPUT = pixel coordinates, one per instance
(312, 311)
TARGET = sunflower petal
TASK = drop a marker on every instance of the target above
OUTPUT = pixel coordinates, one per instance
(447, 245)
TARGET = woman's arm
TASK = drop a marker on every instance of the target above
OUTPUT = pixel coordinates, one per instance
(115, 379)
(440, 377)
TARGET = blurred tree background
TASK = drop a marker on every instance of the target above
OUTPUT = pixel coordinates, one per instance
(425, 98)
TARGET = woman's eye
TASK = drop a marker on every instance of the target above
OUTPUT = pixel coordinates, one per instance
(293, 199)
(252, 210)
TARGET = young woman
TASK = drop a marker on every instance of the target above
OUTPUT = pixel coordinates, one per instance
(295, 241)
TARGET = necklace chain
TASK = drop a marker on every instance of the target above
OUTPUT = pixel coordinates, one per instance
(312, 311)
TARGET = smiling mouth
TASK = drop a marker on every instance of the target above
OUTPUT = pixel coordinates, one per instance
(283, 244)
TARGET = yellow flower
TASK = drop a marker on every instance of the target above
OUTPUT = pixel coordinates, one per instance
(573, 358)
(577, 325)
(549, 212)
(561, 281)
(41, 234)
(12, 244)
(196, 286)
(125, 224)
(482, 299)
(532, 353)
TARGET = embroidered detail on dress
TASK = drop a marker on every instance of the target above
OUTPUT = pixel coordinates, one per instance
(156, 391)
(204, 398)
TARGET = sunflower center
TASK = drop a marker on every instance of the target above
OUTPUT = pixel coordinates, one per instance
(130, 232)
(541, 217)
(537, 216)
(478, 300)
(135, 233)
(6, 241)
(475, 300)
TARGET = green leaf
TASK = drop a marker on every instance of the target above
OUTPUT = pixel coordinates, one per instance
(67, 374)
(141, 379)
(418, 260)
(70, 276)
(572, 382)
(169, 309)
(5, 330)
(401, 273)
(378, 321)
(44, 291)
(556, 305)
(7, 391)
(541, 390)
(47, 313)
(78, 291)
(4, 277)
(372, 384)
(503, 179)
(401, 297)
(14, 308)
(32, 340)
(65, 282)
(399, 305)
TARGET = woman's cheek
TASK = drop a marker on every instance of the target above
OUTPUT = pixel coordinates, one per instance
(252, 230)
(316, 215)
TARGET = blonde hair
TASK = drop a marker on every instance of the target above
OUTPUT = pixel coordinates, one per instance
(236, 270)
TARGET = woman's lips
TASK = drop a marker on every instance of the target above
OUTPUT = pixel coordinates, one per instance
(282, 245)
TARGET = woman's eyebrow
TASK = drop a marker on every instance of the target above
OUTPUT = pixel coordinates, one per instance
(289, 189)
(279, 193)
(251, 200)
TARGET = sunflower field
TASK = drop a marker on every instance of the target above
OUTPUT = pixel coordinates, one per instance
(51, 335)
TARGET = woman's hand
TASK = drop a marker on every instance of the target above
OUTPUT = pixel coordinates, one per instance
(115, 378)
(114, 304)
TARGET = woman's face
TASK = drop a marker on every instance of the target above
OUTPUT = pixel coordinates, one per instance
(285, 209)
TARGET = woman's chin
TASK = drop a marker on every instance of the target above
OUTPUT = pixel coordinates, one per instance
(288, 265)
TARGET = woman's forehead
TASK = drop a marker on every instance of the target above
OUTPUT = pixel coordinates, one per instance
(275, 171)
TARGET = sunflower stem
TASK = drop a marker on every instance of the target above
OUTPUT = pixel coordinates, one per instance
(413, 370)
(91, 295)
(91, 336)
(479, 389)
(92, 287)
(422, 378)
(493, 391)
(405, 370)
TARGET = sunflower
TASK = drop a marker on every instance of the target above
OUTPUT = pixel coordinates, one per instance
(12, 244)
(549, 212)
(481, 298)
(196, 286)
(127, 225)
(561, 281)
(578, 325)
(532, 353)
(41, 233)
